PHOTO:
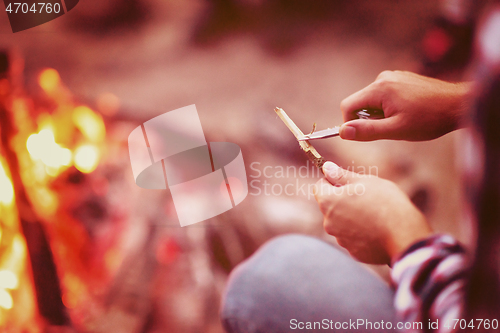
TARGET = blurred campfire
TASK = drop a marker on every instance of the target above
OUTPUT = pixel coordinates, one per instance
(42, 139)
(82, 249)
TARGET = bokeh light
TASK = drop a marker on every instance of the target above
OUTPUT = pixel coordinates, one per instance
(49, 80)
(89, 123)
(86, 158)
(108, 104)
(8, 279)
(42, 146)
(6, 301)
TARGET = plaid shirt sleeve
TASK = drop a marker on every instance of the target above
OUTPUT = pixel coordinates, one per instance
(430, 281)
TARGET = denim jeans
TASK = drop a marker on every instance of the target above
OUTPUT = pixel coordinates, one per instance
(297, 283)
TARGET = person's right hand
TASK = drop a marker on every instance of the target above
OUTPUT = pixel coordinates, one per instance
(416, 108)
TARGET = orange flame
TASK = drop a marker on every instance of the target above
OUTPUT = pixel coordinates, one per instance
(6, 189)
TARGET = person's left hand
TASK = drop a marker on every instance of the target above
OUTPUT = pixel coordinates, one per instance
(370, 217)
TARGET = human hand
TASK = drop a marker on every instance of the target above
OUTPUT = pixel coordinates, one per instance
(370, 216)
(416, 108)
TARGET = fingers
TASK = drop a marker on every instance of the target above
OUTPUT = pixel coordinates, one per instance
(325, 187)
(368, 130)
(368, 97)
(337, 176)
(326, 196)
(372, 96)
(321, 188)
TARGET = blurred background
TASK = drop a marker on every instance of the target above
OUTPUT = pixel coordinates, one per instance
(84, 249)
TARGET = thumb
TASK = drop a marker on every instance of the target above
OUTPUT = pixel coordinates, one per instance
(369, 129)
(338, 176)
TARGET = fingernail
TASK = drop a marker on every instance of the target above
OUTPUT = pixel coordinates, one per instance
(348, 133)
(329, 167)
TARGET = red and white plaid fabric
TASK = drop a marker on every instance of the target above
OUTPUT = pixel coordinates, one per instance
(430, 279)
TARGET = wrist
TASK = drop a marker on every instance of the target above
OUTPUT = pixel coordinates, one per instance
(446, 244)
(416, 230)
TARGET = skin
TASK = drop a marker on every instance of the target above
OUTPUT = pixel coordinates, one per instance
(371, 217)
(416, 108)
